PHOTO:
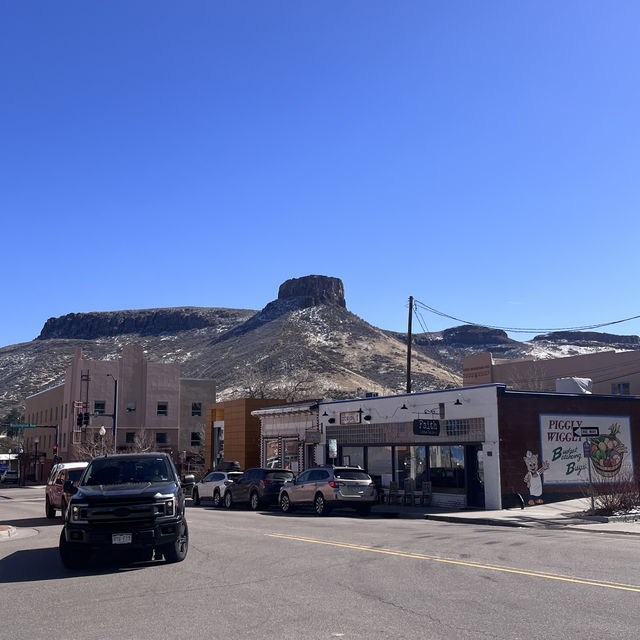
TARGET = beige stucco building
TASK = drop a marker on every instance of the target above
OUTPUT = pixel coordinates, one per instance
(611, 372)
(152, 403)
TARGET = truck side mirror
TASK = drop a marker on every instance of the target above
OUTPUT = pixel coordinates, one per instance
(69, 488)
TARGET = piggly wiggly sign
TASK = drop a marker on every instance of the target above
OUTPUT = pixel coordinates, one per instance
(569, 454)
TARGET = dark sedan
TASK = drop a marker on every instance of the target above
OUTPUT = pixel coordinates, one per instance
(258, 487)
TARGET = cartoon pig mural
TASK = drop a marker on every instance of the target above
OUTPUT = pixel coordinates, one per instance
(533, 478)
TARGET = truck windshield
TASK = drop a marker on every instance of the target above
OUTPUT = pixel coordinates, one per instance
(126, 471)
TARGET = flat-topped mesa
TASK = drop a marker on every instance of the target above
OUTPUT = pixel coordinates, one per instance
(311, 291)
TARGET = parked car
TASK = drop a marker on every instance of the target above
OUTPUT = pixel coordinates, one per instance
(258, 487)
(131, 503)
(327, 488)
(56, 499)
(9, 476)
(213, 486)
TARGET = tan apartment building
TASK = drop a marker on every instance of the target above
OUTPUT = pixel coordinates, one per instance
(144, 402)
(611, 372)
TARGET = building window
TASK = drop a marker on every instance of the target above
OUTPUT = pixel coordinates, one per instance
(411, 464)
(196, 409)
(130, 437)
(621, 389)
(131, 406)
(99, 408)
(161, 437)
(353, 456)
(163, 409)
(195, 439)
(380, 463)
(291, 454)
(446, 466)
(271, 457)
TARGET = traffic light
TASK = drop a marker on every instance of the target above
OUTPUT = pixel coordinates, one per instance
(79, 420)
(85, 420)
(55, 450)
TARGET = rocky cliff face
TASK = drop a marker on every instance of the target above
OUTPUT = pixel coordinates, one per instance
(144, 322)
(312, 291)
(585, 338)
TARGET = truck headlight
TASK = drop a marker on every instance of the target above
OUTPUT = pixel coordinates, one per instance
(170, 508)
(78, 513)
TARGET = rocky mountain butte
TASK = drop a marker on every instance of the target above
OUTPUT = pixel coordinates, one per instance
(304, 344)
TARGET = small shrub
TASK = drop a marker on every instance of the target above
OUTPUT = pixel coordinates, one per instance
(616, 495)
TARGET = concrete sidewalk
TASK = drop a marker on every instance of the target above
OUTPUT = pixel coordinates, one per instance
(568, 514)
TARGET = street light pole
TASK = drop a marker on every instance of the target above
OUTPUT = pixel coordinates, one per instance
(36, 440)
(115, 413)
(102, 433)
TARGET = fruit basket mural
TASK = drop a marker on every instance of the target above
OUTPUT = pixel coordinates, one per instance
(607, 452)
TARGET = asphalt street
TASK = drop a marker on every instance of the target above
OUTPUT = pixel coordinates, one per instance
(269, 575)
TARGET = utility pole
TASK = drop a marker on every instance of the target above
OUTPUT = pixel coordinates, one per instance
(409, 345)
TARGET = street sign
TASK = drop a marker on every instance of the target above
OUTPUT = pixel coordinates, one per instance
(586, 431)
(426, 427)
(586, 449)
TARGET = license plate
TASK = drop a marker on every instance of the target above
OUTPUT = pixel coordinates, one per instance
(121, 538)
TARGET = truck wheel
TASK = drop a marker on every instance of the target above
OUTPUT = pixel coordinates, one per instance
(49, 509)
(73, 559)
(177, 551)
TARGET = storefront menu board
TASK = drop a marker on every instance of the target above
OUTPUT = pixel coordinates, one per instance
(568, 453)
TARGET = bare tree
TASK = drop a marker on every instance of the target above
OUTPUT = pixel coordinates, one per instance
(142, 442)
(277, 380)
(92, 445)
(96, 445)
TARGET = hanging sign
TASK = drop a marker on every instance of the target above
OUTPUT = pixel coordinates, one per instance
(426, 427)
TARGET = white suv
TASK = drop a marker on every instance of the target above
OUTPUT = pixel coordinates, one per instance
(213, 486)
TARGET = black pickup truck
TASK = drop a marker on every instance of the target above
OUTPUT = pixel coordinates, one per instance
(126, 503)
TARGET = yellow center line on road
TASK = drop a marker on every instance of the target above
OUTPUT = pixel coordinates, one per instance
(464, 563)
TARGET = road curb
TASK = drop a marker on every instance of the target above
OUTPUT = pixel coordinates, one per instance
(477, 520)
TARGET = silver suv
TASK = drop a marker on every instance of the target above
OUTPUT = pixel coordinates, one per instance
(327, 488)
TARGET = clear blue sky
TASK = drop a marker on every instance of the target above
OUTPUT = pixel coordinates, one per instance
(481, 156)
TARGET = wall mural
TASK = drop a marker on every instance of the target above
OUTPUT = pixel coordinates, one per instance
(573, 443)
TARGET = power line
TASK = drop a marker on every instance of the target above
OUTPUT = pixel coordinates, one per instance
(522, 329)
(427, 332)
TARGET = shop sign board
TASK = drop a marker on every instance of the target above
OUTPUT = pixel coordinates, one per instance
(426, 427)
(350, 417)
